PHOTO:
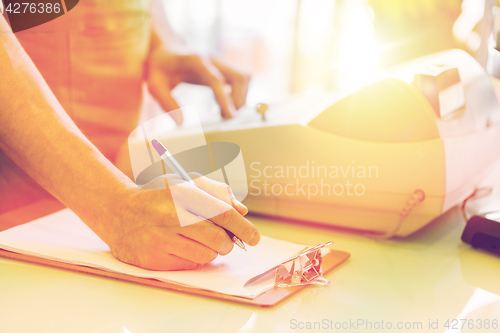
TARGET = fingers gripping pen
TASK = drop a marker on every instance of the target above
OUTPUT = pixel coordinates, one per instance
(182, 174)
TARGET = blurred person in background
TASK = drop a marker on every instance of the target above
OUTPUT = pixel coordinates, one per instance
(96, 59)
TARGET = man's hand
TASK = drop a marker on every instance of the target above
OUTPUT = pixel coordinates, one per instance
(166, 69)
(150, 236)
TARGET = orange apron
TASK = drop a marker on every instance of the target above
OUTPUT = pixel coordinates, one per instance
(93, 60)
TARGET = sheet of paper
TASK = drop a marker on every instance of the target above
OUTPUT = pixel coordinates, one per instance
(62, 236)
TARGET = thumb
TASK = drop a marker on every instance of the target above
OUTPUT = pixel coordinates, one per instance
(159, 88)
(169, 105)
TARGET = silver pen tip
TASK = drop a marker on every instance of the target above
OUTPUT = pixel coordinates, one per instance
(239, 243)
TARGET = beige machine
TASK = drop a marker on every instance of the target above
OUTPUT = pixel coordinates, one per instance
(387, 158)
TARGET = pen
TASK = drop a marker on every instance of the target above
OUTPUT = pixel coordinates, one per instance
(182, 174)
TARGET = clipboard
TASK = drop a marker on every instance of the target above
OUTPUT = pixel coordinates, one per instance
(267, 299)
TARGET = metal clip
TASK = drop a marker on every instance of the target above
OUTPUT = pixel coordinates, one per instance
(303, 269)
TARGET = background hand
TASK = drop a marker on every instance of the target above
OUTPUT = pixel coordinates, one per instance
(166, 69)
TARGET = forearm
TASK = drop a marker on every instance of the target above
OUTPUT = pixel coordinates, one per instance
(39, 136)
